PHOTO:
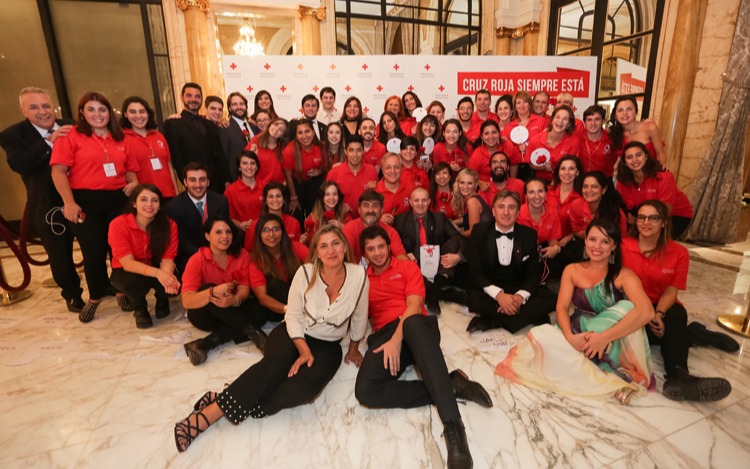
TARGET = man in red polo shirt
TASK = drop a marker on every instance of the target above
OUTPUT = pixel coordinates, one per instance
(394, 190)
(373, 149)
(482, 102)
(370, 210)
(501, 179)
(354, 176)
(404, 335)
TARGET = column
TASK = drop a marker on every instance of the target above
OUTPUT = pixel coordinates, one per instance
(487, 21)
(310, 19)
(683, 66)
(201, 53)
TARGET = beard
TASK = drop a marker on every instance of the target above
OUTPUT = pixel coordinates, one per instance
(499, 177)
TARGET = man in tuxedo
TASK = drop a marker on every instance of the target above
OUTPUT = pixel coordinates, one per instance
(28, 146)
(419, 226)
(235, 137)
(191, 209)
(404, 335)
(192, 138)
(505, 271)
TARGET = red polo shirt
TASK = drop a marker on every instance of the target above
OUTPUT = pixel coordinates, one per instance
(375, 154)
(407, 125)
(580, 216)
(598, 156)
(414, 177)
(548, 227)
(270, 167)
(258, 278)
(480, 162)
(86, 157)
(245, 202)
(569, 145)
(662, 187)
(353, 229)
(152, 154)
(389, 289)
(662, 270)
(563, 208)
(535, 125)
(395, 202)
(293, 230)
(476, 124)
(442, 203)
(125, 237)
(202, 269)
(352, 185)
(511, 184)
(441, 154)
(311, 159)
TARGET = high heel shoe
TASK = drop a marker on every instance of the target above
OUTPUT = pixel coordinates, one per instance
(206, 400)
(185, 432)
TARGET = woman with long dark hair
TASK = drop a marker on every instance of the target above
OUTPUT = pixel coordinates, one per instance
(245, 195)
(268, 146)
(352, 117)
(411, 102)
(327, 299)
(485, 146)
(149, 146)
(215, 287)
(540, 214)
(263, 102)
(276, 202)
(605, 332)
(452, 148)
(329, 209)
(624, 127)
(334, 144)
(599, 199)
(441, 189)
(389, 128)
(558, 140)
(304, 166)
(144, 245)
(662, 265)
(94, 171)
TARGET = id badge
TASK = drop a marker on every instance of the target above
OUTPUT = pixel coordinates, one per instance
(156, 164)
(109, 170)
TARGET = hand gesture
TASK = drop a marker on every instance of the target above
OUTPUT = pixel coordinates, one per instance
(305, 358)
(391, 355)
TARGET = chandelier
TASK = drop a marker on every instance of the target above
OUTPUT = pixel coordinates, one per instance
(247, 45)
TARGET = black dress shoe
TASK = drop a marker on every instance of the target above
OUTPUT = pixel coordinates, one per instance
(258, 337)
(432, 302)
(703, 337)
(682, 386)
(479, 324)
(75, 305)
(197, 350)
(143, 319)
(454, 295)
(459, 456)
(466, 390)
(161, 310)
(124, 303)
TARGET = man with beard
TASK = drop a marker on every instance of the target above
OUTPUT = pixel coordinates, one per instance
(235, 136)
(370, 209)
(404, 335)
(353, 177)
(500, 171)
(373, 149)
(192, 138)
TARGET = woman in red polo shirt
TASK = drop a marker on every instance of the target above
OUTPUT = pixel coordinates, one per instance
(149, 147)
(274, 261)
(245, 195)
(411, 103)
(641, 178)
(144, 245)
(329, 209)
(486, 146)
(452, 148)
(441, 192)
(304, 167)
(564, 190)
(215, 287)
(276, 201)
(519, 153)
(558, 139)
(267, 146)
(334, 144)
(541, 214)
(94, 171)
(662, 266)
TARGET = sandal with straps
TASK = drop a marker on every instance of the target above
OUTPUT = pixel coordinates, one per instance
(185, 432)
(624, 395)
(206, 400)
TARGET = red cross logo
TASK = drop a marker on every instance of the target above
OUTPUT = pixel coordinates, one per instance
(348, 88)
(233, 66)
(315, 88)
(332, 67)
(364, 67)
(249, 89)
(410, 88)
(266, 66)
(396, 67)
(427, 67)
(283, 89)
(380, 88)
(300, 67)
(366, 109)
(441, 88)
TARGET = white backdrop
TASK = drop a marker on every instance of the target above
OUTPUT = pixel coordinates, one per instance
(374, 78)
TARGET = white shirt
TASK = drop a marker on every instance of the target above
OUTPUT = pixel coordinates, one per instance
(195, 202)
(309, 312)
(244, 126)
(504, 255)
(327, 117)
(44, 132)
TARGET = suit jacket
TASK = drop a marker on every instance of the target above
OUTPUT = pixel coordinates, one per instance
(232, 143)
(28, 155)
(438, 230)
(195, 139)
(182, 210)
(484, 266)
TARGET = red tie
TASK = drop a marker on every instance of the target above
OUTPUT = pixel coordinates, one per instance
(422, 233)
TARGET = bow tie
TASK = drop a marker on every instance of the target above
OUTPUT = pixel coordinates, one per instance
(509, 235)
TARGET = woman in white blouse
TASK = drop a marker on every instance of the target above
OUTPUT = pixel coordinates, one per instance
(328, 296)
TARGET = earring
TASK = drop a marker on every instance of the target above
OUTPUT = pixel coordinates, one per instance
(585, 254)
(612, 258)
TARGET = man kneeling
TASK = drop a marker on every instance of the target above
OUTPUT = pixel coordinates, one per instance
(404, 335)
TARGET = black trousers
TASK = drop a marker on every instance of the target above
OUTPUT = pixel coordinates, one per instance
(264, 388)
(60, 252)
(535, 311)
(276, 289)
(100, 207)
(377, 388)
(307, 193)
(676, 341)
(136, 286)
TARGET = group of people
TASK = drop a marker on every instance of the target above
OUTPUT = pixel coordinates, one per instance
(323, 221)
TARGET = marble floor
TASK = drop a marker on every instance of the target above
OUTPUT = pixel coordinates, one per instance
(106, 395)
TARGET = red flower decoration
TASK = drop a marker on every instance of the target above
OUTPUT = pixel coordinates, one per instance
(553, 101)
(329, 215)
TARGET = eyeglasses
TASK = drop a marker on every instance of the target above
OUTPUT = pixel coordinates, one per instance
(270, 229)
(649, 218)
